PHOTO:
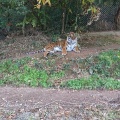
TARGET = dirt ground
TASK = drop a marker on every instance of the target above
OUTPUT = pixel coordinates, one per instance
(24, 103)
(47, 104)
(90, 44)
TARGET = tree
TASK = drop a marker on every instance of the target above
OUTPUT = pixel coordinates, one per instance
(57, 15)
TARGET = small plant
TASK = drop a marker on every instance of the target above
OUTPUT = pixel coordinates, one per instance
(49, 63)
(6, 66)
(107, 64)
(18, 72)
(66, 66)
(58, 74)
(38, 65)
(94, 82)
(22, 61)
(33, 77)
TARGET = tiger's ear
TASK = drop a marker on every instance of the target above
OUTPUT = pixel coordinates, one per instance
(72, 34)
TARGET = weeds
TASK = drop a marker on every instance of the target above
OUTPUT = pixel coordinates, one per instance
(66, 66)
(94, 82)
(107, 64)
(103, 72)
(57, 75)
(19, 72)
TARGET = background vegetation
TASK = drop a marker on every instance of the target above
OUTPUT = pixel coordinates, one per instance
(48, 15)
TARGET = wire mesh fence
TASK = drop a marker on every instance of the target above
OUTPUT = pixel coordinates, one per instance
(50, 19)
(107, 19)
(78, 22)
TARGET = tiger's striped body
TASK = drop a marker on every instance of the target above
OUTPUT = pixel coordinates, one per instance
(70, 44)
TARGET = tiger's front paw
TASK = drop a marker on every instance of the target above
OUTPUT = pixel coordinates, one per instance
(64, 53)
(78, 51)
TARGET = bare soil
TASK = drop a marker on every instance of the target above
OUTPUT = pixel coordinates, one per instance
(48, 104)
(90, 44)
(24, 103)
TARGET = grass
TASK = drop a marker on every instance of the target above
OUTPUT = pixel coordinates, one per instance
(107, 64)
(93, 82)
(103, 72)
(20, 72)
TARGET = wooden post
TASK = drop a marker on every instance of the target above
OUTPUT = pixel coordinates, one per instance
(63, 23)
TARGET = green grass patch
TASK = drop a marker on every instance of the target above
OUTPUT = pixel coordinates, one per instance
(94, 82)
(17, 72)
(106, 64)
(103, 72)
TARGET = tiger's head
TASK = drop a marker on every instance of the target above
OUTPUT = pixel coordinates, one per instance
(71, 38)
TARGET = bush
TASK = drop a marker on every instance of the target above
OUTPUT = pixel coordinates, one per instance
(11, 13)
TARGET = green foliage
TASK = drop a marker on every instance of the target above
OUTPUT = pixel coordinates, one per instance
(19, 72)
(25, 13)
(66, 66)
(57, 75)
(33, 77)
(103, 72)
(94, 82)
(11, 12)
(34, 17)
(9, 68)
(22, 61)
(107, 64)
(21, 13)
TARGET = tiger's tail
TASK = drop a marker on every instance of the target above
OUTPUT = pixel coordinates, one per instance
(39, 51)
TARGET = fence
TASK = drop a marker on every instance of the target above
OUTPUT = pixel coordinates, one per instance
(105, 23)
(50, 19)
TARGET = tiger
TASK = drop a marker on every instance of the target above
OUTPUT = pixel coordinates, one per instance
(69, 44)
(65, 45)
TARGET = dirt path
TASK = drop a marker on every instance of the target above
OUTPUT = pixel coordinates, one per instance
(31, 100)
(40, 96)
